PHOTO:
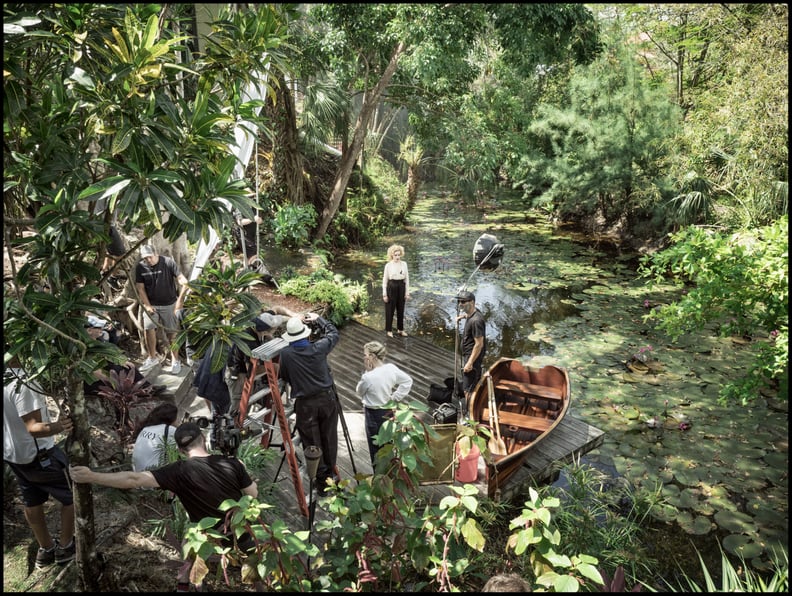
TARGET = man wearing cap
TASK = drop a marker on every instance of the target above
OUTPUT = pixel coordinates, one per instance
(201, 482)
(303, 365)
(155, 279)
(474, 340)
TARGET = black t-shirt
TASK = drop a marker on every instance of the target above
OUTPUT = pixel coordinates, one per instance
(159, 280)
(202, 483)
(475, 326)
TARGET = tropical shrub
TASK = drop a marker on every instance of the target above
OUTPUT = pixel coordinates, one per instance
(739, 281)
(339, 297)
(293, 224)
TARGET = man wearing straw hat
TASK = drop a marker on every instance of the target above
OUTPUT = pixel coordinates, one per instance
(303, 365)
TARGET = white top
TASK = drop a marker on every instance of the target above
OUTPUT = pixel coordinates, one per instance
(149, 451)
(19, 399)
(395, 270)
(382, 384)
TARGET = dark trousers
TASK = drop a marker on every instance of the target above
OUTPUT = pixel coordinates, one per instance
(471, 379)
(396, 298)
(317, 423)
(374, 420)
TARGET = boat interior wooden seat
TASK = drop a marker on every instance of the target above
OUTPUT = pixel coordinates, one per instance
(520, 421)
(549, 393)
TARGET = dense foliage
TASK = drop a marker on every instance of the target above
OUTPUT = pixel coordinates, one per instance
(739, 281)
(116, 114)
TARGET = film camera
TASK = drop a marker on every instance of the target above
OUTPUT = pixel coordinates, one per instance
(225, 436)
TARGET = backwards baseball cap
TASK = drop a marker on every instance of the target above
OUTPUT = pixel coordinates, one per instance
(147, 250)
(465, 297)
(186, 434)
(295, 330)
(268, 321)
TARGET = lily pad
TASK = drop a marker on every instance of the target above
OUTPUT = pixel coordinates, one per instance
(723, 503)
(665, 512)
(779, 460)
(735, 521)
(687, 477)
(742, 546)
(698, 525)
(704, 507)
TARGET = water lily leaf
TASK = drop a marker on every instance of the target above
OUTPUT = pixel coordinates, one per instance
(688, 498)
(704, 508)
(665, 512)
(767, 514)
(631, 377)
(687, 477)
(714, 490)
(631, 413)
(621, 464)
(698, 525)
(775, 475)
(638, 469)
(742, 546)
(723, 504)
(735, 521)
(666, 475)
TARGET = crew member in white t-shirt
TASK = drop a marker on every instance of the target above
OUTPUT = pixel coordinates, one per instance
(152, 436)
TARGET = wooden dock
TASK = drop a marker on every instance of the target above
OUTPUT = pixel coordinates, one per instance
(426, 364)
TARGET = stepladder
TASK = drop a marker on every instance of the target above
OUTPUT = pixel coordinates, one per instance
(272, 414)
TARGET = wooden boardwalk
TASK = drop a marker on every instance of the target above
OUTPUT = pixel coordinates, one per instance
(426, 364)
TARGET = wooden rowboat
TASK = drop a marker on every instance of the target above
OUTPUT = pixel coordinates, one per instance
(531, 402)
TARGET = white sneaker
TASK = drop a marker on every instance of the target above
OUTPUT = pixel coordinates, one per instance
(148, 364)
(189, 362)
(175, 367)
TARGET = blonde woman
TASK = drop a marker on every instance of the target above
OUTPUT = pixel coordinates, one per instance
(395, 289)
(380, 384)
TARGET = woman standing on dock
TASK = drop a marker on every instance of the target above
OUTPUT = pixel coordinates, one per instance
(395, 289)
(380, 384)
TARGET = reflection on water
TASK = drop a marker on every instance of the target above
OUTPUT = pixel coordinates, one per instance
(525, 289)
(435, 280)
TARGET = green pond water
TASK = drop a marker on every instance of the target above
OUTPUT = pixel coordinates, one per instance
(557, 300)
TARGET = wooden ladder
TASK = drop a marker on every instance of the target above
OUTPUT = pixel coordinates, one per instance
(267, 355)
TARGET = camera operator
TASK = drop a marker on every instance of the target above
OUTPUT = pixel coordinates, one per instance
(201, 482)
(303, 365)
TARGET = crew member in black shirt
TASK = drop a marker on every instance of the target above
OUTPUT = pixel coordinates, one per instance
(156, 277)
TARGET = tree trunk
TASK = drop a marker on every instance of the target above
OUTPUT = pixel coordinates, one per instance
(86, 560)
(413, 182)
(349, 158)
(287, 163)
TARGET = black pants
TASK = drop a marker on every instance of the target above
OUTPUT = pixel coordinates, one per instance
(375, 418)
(471, 379)
(396, 291)
(317, 423)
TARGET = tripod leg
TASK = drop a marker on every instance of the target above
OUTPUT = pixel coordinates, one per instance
(350, 448)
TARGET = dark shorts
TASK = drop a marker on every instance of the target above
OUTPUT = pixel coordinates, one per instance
(116, 248)
(37, 484)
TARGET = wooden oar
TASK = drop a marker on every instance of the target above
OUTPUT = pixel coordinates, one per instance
(496, 444)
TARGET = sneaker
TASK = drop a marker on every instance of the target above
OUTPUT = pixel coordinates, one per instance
(189, 362)
(175, 367)
(64, 554)
(148, 364)
(46, 557)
